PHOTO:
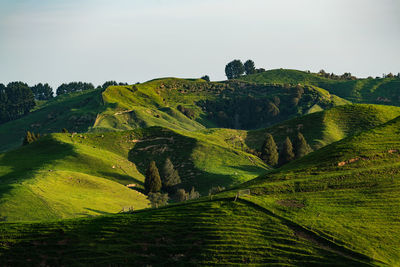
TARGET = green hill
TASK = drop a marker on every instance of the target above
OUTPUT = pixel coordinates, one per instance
(347, 192)
(72, 175)
(374, 91)
(173, 103)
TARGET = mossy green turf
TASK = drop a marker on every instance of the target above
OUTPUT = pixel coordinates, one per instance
(347, 192)
(375, 91)
(221, 232)
(71, 175)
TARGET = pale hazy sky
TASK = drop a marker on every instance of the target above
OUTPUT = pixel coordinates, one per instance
(59, 41)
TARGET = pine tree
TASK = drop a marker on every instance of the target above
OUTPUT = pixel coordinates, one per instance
(269, 151)
(301, 147)
(152, 182)
(286, 153)
(170, 175)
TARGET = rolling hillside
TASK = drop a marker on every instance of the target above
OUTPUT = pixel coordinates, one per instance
(72, 175)
(337, 206)
(173, 103)
(374, 91)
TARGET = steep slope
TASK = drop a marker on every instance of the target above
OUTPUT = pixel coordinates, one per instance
(196, 104)
(75, 112)
(347, 192)
(70, 175)
(375, 91)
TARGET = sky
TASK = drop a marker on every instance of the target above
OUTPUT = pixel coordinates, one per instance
(57, 41)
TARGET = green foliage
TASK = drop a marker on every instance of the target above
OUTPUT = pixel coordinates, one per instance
(269, 151)
(30, 137)
(16, 100)
(300, 146)
(152, 182)
(67, 88)
(158, 199)
(42, 91)
(286, 152)
(234, 69)
(249, 67)
(170, 176)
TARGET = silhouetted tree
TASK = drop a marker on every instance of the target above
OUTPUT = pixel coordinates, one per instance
(74, 87)
(249, 67)
(42, 91)
(108, 83)
(30, 137)
(170, 176)
(234, 69)
(152, 182)
(286, 153)
(300, 145)
(269, 151)
(206, 78)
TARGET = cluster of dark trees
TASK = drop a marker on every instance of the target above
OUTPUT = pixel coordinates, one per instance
(236, 68)
(72, 87)
(287, 152)
(42, 91)
(16, 100)
(344, 76)
(157, 186)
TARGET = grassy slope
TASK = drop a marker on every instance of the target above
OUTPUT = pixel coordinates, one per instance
(76, 112)
(356, 205)
(376, 91)
(201, 233)
(65, 175)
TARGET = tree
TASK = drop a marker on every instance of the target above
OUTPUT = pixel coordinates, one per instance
(206, 78)
(301, 147)
(42, 91)
(216, 189)
(249, 67)
(286, 153)
(269, 151)
(108, 83)
(158, 199)
(170, 175)
(74, 87)
(30, 137)
(182, 195)
(194, 194)
(234, 69)
(152, 182)
(20, 100)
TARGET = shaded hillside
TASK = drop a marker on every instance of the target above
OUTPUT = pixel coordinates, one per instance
(347, 192)
(375, 91)
(72, 175)
(204, 233)
(76, 112)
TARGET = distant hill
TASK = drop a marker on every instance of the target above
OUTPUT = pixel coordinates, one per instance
(173, 103)
(374, 91)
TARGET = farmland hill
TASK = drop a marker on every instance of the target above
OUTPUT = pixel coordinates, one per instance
(371, 90)
(338, 205)
(173, 103)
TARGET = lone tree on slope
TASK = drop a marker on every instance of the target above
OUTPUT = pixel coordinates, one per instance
(301, 147)
(234, 69)
(269, 151)
(170, 176)
(152, 182)
(286, 153)
(249, 67)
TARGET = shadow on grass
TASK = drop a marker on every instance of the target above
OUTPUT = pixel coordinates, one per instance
(121, 178)
(164, 143)
(28, 159)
